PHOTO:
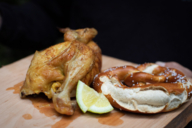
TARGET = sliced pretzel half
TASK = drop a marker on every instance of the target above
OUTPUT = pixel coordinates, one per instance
(147, 88)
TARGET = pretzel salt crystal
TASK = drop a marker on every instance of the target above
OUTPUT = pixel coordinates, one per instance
(147, 88)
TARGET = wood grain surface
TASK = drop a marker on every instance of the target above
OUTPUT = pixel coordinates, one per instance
(38, 111)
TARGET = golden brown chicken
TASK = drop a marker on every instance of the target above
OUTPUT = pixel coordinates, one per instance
(56, 70)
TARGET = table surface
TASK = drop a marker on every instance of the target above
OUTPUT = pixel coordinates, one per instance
(39, 112)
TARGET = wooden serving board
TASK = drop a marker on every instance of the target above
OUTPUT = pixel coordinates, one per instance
(38, 111)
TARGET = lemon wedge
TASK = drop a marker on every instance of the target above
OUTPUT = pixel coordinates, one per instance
(90, 100)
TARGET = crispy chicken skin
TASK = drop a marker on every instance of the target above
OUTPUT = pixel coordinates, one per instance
(56, 70)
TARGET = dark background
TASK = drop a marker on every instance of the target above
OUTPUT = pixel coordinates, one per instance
(136, 31)
(7, 54)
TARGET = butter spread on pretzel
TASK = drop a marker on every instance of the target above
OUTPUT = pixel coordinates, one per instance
(147, 88)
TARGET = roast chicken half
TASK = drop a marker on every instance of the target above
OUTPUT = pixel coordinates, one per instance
(56, 70)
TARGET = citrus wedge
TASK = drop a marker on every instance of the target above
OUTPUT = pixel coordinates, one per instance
(102, 105)
(90, 100)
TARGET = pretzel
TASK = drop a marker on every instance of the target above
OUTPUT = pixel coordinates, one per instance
(146, 88)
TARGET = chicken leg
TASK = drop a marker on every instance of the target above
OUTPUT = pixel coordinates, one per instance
(80, 62)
